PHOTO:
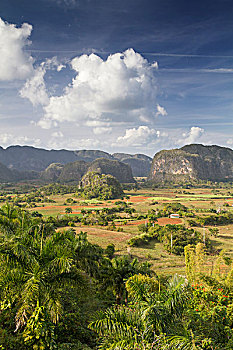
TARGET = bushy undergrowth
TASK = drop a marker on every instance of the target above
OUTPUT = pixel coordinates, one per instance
(173, 237)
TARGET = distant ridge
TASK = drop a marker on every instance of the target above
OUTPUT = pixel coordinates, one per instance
(193, 162)
(30, 158)
(190, 162)
(140, 163)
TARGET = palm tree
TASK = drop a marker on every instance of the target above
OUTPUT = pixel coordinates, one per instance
(149, 321)
(115, 272)
(36, 264)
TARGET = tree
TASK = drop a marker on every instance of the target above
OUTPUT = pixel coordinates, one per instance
(150, 320)
(68, 210)
(115, 272)
(36, 265)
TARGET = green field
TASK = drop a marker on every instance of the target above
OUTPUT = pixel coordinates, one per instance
(199, 201)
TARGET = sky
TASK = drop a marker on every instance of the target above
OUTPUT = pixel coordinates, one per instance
(132, 76)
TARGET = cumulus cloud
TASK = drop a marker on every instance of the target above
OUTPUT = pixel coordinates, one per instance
(7, 139)
(15, 63)
(121, 88)
(137, 136)
(35, 88)
(192, 136)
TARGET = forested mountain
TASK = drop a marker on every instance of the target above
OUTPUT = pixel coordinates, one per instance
(6, 174)
(122, 172)
(37, 159)
(193, 162)
(74, 171)
(140, 163)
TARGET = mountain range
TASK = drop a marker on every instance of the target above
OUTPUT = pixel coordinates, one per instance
(191, 162)
(23, 158)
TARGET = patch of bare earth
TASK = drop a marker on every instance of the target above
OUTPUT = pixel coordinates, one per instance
(168, 221)
(113, 235)
(160, 221)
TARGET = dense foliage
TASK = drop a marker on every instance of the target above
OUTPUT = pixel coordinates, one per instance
(173, 237)
(58, 291)
(95, 185)
(52, 281)
(176, 314)
(219, 219)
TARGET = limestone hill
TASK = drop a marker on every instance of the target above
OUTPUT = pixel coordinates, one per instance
(74, 171)
(95, 185)
(193, 162)
(121, 171)
(29, 158)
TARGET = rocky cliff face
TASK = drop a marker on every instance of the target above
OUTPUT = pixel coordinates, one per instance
(193, 162)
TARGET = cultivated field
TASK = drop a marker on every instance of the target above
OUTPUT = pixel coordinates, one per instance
(200, 202)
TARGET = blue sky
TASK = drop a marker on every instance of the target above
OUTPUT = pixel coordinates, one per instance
(82, 74)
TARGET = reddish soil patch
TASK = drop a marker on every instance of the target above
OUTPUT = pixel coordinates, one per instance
(133, 199)
(138, 222)
(67, 206)
(168, 221)
(160, 221)
(111, 235)
(137, 199)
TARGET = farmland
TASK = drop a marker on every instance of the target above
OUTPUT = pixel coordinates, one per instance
(84, 259)
(126, 224)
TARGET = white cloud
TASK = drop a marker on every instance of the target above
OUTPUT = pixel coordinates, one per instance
(7, 139)
(60, 67)
(155, 65)
(45, 124)
(121, 88)
(76, 143)
(34, 89)
(102, 130)
(58, 134)
(15, 63)
(161, 111)
(192, 136)
(230, 142)
(137, 137)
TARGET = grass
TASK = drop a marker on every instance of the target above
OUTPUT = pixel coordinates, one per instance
(142, 200)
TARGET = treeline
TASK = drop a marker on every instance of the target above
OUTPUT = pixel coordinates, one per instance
(173, 237)
(212, 220)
